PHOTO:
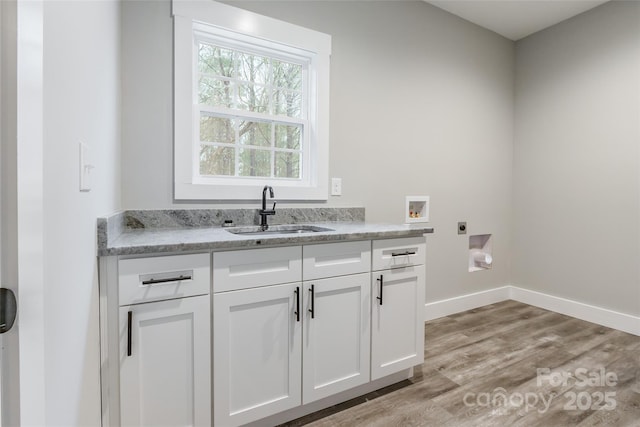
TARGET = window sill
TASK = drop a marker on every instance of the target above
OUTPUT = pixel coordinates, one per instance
(189, 191)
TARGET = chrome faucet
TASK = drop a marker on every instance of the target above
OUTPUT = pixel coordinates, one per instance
(264, 213)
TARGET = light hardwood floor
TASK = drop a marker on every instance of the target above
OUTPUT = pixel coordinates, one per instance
(481, 368)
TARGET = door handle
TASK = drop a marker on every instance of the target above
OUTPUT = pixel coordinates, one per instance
(129, 325)
(8, 309)
(312, 310)
(381, 280)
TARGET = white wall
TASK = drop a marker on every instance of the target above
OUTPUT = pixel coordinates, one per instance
(21, 200)
(81, 103)
(421, 104)
(576, 159)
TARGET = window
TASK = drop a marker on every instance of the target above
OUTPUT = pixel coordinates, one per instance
(252, 111)
(251, 105)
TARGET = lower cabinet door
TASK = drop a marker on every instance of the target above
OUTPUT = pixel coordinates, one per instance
(397, 320)
(336, 335)
(165, 375)
(257, 353)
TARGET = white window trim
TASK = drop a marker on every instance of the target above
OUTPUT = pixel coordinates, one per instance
(187, 13)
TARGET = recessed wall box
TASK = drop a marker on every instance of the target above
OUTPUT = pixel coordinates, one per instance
(416, 209)
(480, 252)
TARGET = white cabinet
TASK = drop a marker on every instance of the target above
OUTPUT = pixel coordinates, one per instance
(157, 340)
(278, 346)
(336, 335)
(165, 363)
(257, 353)
(257, 330)
(291, 326)
(397, 315)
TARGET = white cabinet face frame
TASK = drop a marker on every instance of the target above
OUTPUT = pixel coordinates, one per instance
(166, 379)
(397, 331)
(336, 338)
(257, 353)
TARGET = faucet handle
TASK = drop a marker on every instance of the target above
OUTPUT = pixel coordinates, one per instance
(274, 206)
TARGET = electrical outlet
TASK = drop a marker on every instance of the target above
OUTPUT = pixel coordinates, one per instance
(462, 228)
(336, 186)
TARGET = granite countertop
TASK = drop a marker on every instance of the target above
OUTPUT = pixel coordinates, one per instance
(116, 237)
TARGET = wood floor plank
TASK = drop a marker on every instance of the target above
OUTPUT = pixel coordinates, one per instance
(479, 363)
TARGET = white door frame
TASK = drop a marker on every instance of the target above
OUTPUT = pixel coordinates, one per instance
(22, 213)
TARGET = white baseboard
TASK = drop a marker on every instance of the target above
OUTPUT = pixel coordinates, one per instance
(590, 313)
(434, 310)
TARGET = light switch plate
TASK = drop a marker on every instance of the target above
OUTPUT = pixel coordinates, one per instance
(85, 168)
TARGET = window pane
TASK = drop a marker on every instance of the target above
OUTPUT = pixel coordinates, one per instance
(255, 162)
(287, 76)
(252, 68)
(252, 98)
(215, 60)
(234, 144)
(287, 103)
(215, 92)
(216, 129)
(255, 133)
(217, 160)
(287, 136)
(287, 165)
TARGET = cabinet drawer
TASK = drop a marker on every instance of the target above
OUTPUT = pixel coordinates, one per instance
(251, 268)
(160, 278)
(336, 259)
(392, 253)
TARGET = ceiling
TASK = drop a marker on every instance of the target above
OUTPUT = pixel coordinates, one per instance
(515, 19)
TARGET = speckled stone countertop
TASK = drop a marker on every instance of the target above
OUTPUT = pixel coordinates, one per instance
(117, 235)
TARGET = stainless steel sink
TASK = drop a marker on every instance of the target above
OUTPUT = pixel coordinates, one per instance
(277, 229)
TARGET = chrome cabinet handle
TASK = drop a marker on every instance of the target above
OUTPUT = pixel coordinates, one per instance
(297, 312)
